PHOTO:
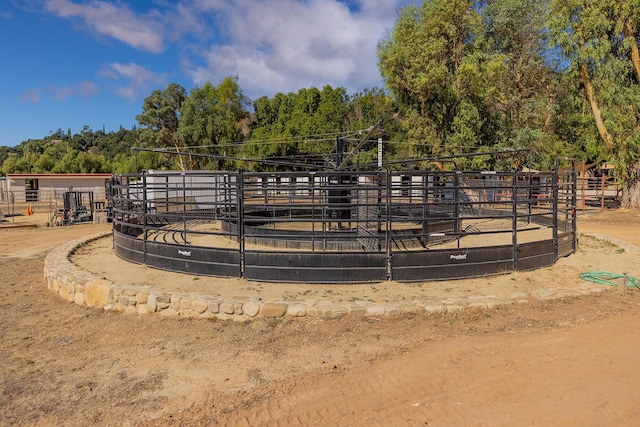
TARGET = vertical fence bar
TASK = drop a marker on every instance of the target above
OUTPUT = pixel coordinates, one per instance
(312, 180)
(514, 218)
(555, 211)
(530, 196)
(456, 203)
(574, 214)
(387, 172)
(144, 216)
(425, 208)
(602, 184)
(240, 218)
(582, 181)
(184, 207)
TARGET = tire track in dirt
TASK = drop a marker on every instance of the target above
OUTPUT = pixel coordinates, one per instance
(583, 375)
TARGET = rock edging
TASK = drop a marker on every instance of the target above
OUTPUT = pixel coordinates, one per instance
(76, 285)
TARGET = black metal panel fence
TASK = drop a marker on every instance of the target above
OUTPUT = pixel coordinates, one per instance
(452, 263)
(345, 227)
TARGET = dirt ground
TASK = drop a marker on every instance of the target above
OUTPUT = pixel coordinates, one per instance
(566, 362)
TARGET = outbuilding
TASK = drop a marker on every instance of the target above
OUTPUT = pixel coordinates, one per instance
(39, 188)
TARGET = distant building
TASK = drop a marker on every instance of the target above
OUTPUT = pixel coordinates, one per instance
(49, 187)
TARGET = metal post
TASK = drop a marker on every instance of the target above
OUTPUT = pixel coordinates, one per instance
(312, 176)
(530, 197)
(388, 224)
(425, 208)
(144, 215)
(456, 205)
(514, 218)
(240, 219)
(574, 214)
(555, 213)
(184, 208)
(379, 148)
(582, 180)
(602, 192)
(379, 205)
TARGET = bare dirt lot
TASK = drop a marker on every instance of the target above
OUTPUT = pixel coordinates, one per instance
(570, 361)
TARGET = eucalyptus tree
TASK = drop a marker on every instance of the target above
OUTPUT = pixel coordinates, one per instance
(528, 86)
(598, 38)
(272, 134)
(160, 117)
(211, 121)
(293, 125)
(327, 117)
(436, 63)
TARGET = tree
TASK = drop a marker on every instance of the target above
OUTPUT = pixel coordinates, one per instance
(365, 109)
(525, 99)
(436, 63)
(160, 118)
(599, 39)
(211, 120)
(271, 131)
(297, 124)
(4, 153)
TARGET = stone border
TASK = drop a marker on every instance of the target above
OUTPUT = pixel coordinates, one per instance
(76, 285)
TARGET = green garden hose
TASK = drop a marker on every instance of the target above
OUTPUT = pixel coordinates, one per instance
(606, 278)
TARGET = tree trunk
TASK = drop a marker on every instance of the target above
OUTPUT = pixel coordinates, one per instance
(631, 189)
(595, 107)
(180, 162)
(635, 54)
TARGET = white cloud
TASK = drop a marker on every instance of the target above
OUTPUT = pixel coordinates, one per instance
(286, 45)
(84, 89)
(275, 46)
(61, 93)
(119, 22)
(31, 95)
(139, 79)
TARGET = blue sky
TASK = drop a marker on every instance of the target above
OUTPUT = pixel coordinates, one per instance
(71, 63)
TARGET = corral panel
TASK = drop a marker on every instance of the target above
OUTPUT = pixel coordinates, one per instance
(451, 263)
(129, 248)
(193, 260)
(535, 255)
(315, 267)
(566, 244)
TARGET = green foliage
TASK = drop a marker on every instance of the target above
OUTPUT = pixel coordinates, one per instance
(597, 40)
(463, 77)
(210, 119)
(160, 118)
(4, 153)
(302, 127)
(105, 153)
(437, 62)
(296, 124)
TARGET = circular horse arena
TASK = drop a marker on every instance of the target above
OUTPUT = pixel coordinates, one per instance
(345, 227)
